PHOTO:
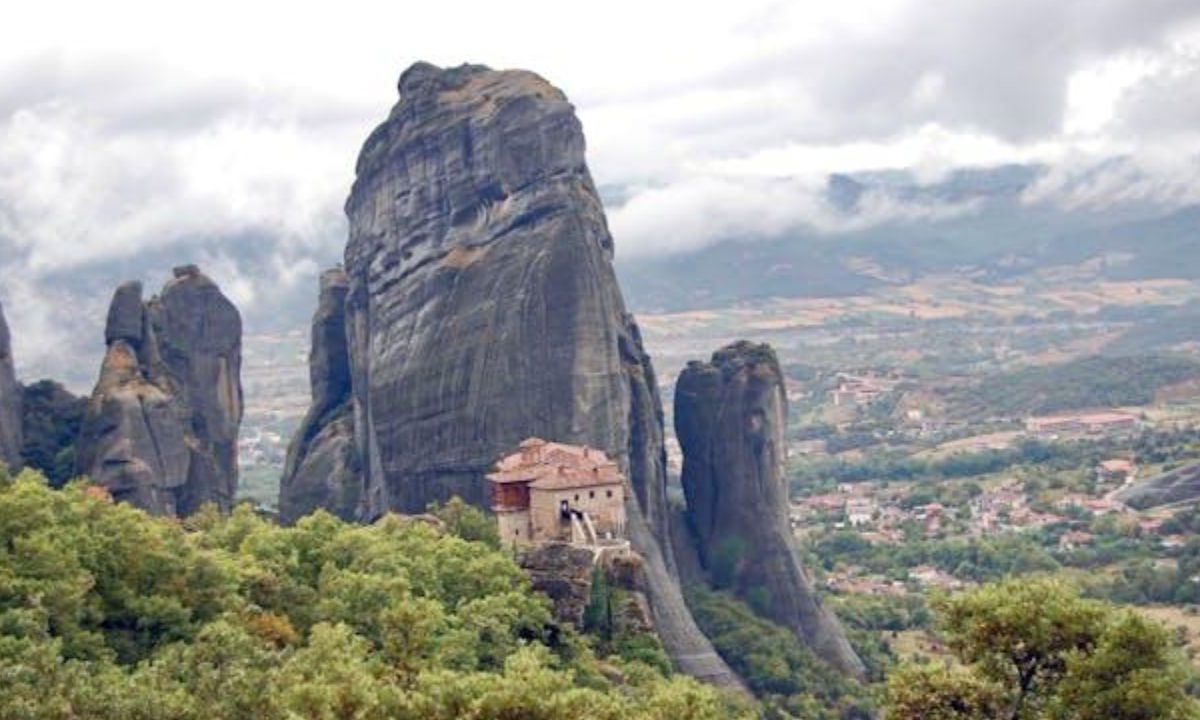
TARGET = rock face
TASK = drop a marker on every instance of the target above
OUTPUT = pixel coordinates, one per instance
(564, 573)
(1175, 486)
(161, 427)
(322, 469)
(10, 402)
(567, 574)
(730, 415)
(483, 309)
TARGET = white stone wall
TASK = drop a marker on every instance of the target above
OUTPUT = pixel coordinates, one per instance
(604, 504)
(514, 527)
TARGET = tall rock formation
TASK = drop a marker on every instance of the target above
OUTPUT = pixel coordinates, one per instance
(322, 468)
(10, 402)
(483, 309)
(730, 416)
(161, 426)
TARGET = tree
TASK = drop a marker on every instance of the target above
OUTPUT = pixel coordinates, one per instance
(941, 692)
(1129, 674)
(1034, 649)
(107, 613)
(467, 521)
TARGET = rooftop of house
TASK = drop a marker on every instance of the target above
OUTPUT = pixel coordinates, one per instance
(548, 465)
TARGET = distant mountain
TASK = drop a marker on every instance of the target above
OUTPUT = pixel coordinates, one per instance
(978, 221)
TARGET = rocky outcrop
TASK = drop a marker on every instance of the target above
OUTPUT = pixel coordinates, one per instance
(730, 416)
(483, 309)
(564, 573)
(1175, 486)
(568, 575)
(322, 468)
(161, 426)
(10, 402)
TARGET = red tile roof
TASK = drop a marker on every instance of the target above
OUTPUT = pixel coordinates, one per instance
(554, 466)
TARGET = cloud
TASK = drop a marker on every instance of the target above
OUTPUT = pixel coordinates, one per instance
(226, 132)
(703, 210)
(71, 194)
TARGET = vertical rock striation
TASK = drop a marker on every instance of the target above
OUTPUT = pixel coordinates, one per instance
(10, 402)
(322, 468)
(161, 427)
(482, 308)
(730, 416)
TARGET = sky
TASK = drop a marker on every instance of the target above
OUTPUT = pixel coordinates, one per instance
(186, 128)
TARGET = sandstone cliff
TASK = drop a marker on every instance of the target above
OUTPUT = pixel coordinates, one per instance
(730, 416)
(483, 309)
(10, 402)
(322, 468)
(161, 426)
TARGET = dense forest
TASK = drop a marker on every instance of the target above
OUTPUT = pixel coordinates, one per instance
(780, 669)
(106, 612)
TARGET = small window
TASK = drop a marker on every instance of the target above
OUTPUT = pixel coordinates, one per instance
(608, 493)
(576, 496)
(517, 532)
(591, 493)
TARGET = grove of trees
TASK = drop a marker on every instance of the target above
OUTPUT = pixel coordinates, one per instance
(106, 612)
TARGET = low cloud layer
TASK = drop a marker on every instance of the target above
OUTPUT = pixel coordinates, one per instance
(226, 133)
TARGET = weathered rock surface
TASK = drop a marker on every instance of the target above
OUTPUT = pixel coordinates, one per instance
(1174, 486)
(161, 426)
(10, 401)
(564, 572)
(730, 415)
(567, 574)
(483, 309)
(322, 468)
(483, 305)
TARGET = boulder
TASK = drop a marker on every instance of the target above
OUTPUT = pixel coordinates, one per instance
(126, 315)
(160, 430)
(730, 417)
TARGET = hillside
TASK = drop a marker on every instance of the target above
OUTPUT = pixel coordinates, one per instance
(1090, 382)
(887, 228)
